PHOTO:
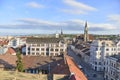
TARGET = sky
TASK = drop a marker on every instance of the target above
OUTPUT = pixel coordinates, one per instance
(19, 17)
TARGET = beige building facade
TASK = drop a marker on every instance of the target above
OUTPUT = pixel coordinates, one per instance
(45, 46)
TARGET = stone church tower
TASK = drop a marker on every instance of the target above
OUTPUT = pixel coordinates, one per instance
(61, 34)
(86, 36)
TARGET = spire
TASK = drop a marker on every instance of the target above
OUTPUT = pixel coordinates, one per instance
(61, 33)
(86, 36)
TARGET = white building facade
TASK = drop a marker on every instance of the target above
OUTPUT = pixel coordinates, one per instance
(112, 68)
(3, 49)
(17, 42)
(45, 46)
(99, 49)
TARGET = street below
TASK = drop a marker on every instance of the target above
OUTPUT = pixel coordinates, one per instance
(86, 69)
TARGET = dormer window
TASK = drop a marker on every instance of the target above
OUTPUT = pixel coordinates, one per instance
(107, 45)
(107, 49)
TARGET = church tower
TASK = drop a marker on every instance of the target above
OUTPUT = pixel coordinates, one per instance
(86, 36)
(61, 35)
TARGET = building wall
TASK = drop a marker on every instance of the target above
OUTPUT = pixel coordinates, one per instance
(50, 49)
(112, 69)
(16, 42)
(99, 49)
(3, 50)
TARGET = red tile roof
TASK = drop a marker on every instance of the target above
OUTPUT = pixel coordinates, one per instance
(67, 66)
(4, 42)
(8, 60)
(73, 77)
(78, 74)
(60, 68)
(37, 61)
(11, 51)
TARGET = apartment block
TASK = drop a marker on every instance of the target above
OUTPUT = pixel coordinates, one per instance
(112, 68)
(45, 46)
(99, 50)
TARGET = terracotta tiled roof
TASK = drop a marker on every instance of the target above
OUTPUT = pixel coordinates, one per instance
(4, 42)
(73, 77)
(60, 68)
(78, 74)
(67, 66)
(43, 40)
(8, 60)
(39, 61)
(11, 51)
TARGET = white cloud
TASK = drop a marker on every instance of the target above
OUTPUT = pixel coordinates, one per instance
(73, 12)
(36, 21)
(34, 5)
(114, 18)
(77, 7)
(104, 26)
(74, 24)
(30, 25)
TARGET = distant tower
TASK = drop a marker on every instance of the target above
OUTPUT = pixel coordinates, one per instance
(86, 36)
(61, 35)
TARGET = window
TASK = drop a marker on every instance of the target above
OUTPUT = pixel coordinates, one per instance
(56, 49)
(114, 49)
(61, 49)
(42, 44)
(47, 49)
(57, 45)
(33, 49)
(99, 63)
(95, 63)
(96, 49)
(62, 45)
(52, 49)
(33, 45)
(14, 42)
(107, 45)
(107, 49)
(37, 53)
(42, 49)
(51, 54)
(42, 53)
(38, 45)
(37, 49)
(56, 54)
(33, 53)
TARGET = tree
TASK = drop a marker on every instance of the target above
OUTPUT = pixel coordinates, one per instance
(19, 63)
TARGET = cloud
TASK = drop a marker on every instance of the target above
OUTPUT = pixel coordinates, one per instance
(37, 22)
(34, 5)
(73, 12)
(92, 26)
(77, 7)
(114, 18)
(69, 25)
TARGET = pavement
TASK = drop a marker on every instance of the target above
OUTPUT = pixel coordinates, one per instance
(87, 70)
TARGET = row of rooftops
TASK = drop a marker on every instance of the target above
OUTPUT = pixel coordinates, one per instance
(58, 65)
(116, 57)
(44, 40)
(34, 40)
(109, 43)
